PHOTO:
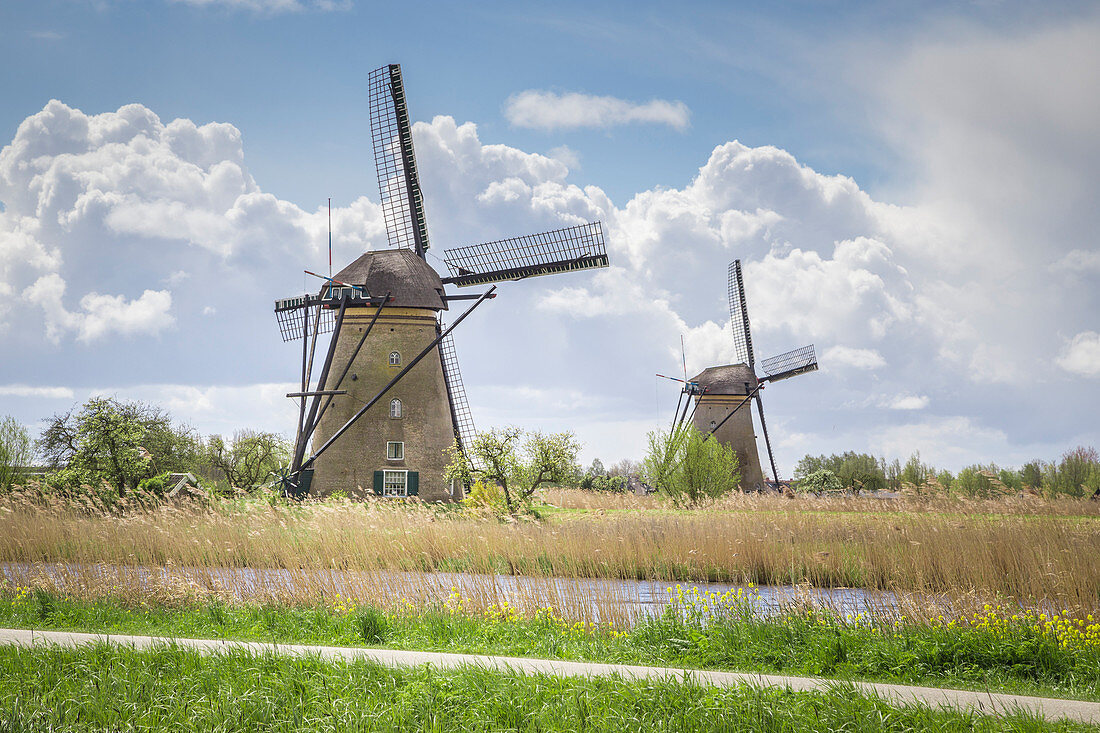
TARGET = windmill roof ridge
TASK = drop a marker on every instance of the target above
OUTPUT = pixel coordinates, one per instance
(401, 272)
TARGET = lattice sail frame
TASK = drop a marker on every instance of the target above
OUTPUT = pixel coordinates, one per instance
(398, 182)
(298, 314)
(739, 316)
(456, 391)
(579, 247)
(790, 363)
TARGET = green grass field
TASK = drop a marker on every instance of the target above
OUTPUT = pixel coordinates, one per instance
(990, 652)
(111, 689)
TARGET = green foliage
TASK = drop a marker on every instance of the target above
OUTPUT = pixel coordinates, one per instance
(690, 467)
(372, 625)
(518, 461)
(172, 689)
(820, 482)
(485, 496)
(154, 485)
(696, 630)
(1077, 474)
(980, 482)
(16, 452)
(857, 471)
(114, 443)
(250, 459)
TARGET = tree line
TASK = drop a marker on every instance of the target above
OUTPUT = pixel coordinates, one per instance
(1075, 474)
(114, 448)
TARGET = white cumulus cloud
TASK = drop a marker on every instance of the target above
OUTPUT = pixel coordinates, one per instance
(1081, 355)
(543, 110)
(24, 390)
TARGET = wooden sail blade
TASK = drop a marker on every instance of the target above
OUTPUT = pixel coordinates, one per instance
(561, 250)
(398, 182)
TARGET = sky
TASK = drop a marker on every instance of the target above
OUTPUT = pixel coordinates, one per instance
(910, 187)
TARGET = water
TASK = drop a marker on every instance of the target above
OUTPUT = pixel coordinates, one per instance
(585, 597)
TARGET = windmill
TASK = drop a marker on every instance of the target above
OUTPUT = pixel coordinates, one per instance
(388, 398)
(720, 392)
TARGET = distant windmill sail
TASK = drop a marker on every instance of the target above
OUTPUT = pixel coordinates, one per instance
(561, 250)
(398, 182)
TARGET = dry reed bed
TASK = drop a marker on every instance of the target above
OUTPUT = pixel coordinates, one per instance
(1043, 557)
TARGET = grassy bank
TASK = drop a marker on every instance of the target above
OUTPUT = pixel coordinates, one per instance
(103, 688)
(1052, 656)
(1032, 551)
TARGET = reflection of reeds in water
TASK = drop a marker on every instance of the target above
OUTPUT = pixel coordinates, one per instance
(1037, 553)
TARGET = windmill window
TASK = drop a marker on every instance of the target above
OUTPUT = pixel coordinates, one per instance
(395, 408)
(395, 483)
(395, 358)
(395, 451)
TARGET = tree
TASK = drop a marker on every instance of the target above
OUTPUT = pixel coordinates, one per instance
(117, 442)
(250, 458)
(1078, 472)
(518, 461)
(821, 481)
(15, 451)
(689, 466)
(1032, 474)
(625, 468)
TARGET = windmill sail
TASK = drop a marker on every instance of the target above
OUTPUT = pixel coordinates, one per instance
(739, 316)
(456, 393)
(398, 182)
(297, 315)
(561, 250)
(789, 364)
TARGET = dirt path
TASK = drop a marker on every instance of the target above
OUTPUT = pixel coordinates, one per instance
(986, 703)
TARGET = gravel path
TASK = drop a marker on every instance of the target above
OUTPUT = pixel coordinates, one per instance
(986, 703)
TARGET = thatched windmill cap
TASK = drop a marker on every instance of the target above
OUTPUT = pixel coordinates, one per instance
(411, 280)
(729, 379)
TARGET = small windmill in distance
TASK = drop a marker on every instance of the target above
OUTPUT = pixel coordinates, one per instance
(720, 392)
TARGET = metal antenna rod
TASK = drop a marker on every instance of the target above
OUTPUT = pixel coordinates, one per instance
(330, 236)
(427, 349)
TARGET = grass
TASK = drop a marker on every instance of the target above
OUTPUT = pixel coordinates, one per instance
(1054, 657)
(104, 688)
(1028, 550)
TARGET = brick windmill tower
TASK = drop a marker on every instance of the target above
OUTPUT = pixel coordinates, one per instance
(389, 399)
(718, 393)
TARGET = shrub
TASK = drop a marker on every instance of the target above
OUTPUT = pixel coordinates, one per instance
(484, 495)
(690, 467)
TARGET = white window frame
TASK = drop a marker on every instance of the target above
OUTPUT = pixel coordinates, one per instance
(395, 358)
(391, 477)
(400, 450)
(395, 408)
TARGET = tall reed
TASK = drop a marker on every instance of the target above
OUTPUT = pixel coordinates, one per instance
(1043, 556)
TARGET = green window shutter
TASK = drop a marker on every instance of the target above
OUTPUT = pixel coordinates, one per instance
(413, 483)
(378, 482)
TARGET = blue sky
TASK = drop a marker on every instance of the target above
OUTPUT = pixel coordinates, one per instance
(911, 189)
